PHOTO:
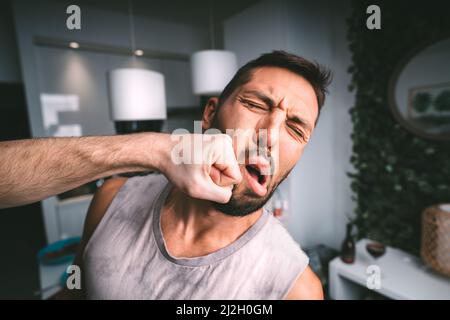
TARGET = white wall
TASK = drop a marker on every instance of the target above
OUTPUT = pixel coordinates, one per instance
(341, 102)
(319, 189)
(258, 29)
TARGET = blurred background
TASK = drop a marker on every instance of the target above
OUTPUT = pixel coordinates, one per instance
(373, 186)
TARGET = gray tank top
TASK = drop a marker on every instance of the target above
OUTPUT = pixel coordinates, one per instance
(126, 257)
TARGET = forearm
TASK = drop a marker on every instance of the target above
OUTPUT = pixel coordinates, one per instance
(32, 170)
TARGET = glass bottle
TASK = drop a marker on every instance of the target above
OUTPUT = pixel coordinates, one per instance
(348, 246)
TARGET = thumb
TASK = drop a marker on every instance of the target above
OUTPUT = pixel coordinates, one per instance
(228, 165)
(220, 178)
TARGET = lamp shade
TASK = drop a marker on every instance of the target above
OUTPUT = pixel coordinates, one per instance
(136, 94)
(212, 70)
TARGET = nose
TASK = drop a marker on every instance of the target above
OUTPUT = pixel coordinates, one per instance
(269, 129)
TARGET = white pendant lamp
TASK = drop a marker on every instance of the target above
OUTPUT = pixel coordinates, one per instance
(136, 94)
(212, 69)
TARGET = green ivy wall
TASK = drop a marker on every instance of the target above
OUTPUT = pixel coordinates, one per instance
(397, 174)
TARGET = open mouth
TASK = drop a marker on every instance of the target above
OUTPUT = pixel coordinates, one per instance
(256, 173)
(257, 181)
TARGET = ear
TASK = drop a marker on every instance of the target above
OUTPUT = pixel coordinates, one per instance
(210, 112)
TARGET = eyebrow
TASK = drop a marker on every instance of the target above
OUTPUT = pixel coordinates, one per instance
(271, 103)
(263, 97)
(305, 124)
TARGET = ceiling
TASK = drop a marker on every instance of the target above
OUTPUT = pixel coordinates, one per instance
(192, 12)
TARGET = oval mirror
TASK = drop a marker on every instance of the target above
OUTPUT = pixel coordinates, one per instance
(420, 91)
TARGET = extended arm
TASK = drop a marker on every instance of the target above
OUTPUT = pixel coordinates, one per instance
(32, 170)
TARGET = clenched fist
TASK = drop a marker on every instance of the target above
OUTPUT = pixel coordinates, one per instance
(204, 166)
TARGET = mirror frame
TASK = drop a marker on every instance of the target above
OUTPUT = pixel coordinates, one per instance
(392, 84)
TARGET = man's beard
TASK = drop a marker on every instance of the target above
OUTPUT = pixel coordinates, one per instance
(245, 204)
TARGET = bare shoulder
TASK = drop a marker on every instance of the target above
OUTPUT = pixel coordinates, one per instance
(100, 203)
(306, 287)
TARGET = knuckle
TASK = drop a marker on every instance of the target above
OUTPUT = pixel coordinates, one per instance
(227, 139)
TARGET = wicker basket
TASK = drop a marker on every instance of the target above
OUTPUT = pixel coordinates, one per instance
(435, 249)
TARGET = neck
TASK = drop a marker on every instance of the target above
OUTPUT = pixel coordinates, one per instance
(193, 221)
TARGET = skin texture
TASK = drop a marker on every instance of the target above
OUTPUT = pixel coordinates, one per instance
(193, 227)
(34, 169)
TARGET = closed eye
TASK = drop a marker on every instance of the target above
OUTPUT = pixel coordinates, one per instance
(251, 104)
(299, 133)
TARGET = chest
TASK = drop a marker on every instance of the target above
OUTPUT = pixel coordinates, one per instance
(155, 278)
(176, 246)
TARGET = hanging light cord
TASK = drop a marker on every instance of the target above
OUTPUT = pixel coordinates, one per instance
(211, 24)
(132, 37)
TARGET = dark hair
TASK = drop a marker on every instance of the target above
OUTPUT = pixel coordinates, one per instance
(317, 75)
